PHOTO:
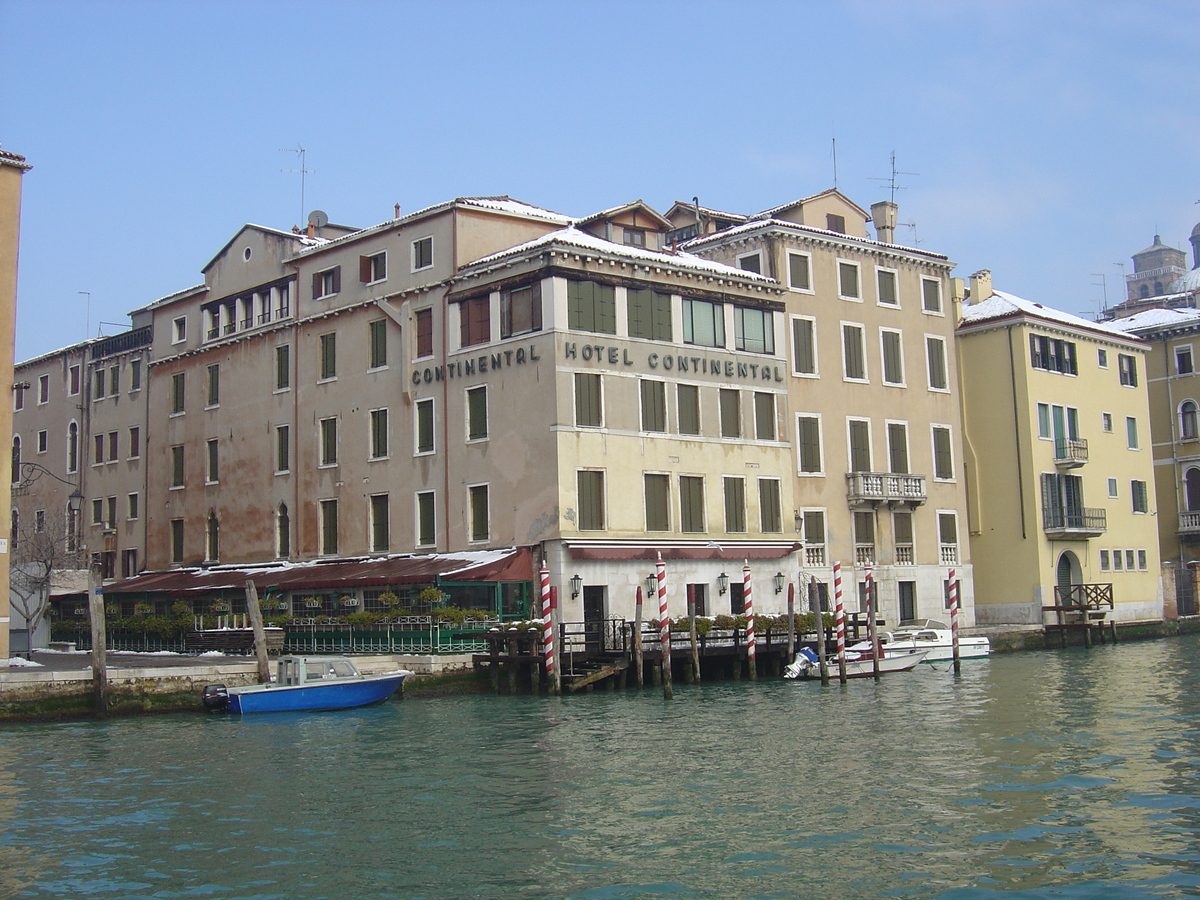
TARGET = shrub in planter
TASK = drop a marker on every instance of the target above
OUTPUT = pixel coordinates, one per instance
(725, 623)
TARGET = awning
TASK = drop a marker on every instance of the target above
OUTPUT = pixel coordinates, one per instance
(641, 550)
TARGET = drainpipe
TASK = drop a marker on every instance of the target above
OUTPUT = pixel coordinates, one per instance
(1012, 373)
(445, 379)
(296, 515)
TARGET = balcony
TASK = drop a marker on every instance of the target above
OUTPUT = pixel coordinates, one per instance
(1070, 453)
(1189, 526)
(814, 555)
(948, 554)
(1076, 522)
(904, 555)
(878, 488)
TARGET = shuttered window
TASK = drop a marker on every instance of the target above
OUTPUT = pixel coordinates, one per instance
(754, 330)
(654, 405)
(649, 314)
(379, 433)
(475, 322)
(329, 527)
(860, 445)
(658, 502)
(703, 323)
(424, 413)
(478, 498)
(283, 367)
(590, 485)
(809, 440)
(735, 504)
(689, 408)
(424, 332)
(328, 356)
(521, 310)
(935, 354)
(804, 347)
(691, 503)
(764, 416)
(588, 402)
(898, 448)
(591, 307)
(893, 359)
(377, 344)
(731, 413)
(477, 413)
(769, 509)
(852, 352)
(798, 276)
(380, 524)
(426, 521)
(887, 287)
(943, 459)
(848, 280)
(329, 442)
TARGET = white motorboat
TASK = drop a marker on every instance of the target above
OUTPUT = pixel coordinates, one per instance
(858, 665)
(930, 635)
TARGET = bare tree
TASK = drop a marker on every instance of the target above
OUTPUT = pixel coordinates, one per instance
(45, 555)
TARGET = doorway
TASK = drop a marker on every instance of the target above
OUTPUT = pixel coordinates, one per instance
(594, 603)
(699, 595)
(908, 600)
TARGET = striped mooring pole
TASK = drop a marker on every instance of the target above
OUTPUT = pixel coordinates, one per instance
(664, 627)
(839, 620)
(954, 622)
(751, 644)
(547, 631)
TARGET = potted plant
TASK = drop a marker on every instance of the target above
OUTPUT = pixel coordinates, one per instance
(347, 600)
(312, 602)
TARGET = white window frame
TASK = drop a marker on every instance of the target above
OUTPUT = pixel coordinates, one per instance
(321, 274)
(133, 506)
(838, 263)
(792, 287)
(1113, 489)
(816, 373)
(1101, 357)
(1105, 564)
(387, 437)
(903, 382)
(413, 253)
(179, 330)
(895, 274)
(820, 472)
(43, 442)
(1192, 356)
(742, 256)
(1106, 422)
(941, 310)
(933, 426)
(940, 339)
(373, 257)
(337, 437)
(43, 396)
(417, 495)
(471, 539)
(887, 432)
(866, 365)
(78, 375)
(870, 445)
(417, 426)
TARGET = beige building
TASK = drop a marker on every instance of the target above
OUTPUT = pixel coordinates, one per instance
(1058, 461)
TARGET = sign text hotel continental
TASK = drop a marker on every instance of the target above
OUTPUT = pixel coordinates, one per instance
(603, 354)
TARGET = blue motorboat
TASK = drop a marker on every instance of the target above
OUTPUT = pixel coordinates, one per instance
(307, 683)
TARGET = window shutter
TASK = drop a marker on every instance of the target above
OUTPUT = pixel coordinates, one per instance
(860, 447)
(337, 279)
(898, 448)
(364, 269)
(316, 285)
(802, 338)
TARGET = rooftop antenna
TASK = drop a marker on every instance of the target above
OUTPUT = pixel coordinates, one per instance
(891, 180)
(913, 226)
(1103, 285)
(87, 322)
(302, 170)
(833, 153)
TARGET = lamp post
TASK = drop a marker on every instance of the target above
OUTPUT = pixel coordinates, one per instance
(779, 581)
(722, 583)
(576, 586)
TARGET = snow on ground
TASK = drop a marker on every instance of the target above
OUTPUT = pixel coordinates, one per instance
(18, 662)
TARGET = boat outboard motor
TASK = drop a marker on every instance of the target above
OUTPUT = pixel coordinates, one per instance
(215, 698)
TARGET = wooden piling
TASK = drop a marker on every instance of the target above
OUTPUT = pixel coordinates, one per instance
(260, 633)
(636, 638)
(691, 611)
(814, 606)
(99, 647)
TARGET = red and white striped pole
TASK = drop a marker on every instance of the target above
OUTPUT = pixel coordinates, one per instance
(664, 626)
(954, 621)
(748, 597)
(547, 628)
(839, 620)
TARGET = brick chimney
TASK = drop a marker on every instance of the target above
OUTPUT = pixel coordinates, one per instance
(981, 286)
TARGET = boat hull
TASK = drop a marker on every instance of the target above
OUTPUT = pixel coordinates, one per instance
(858, 668)
(340, 694)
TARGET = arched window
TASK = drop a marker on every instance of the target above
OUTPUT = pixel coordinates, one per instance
(1191, 489)
(16, 458)
(1144, 291)
(72, 446)
(1158, 289)
(213, 538)
(283, 532)
(14, 530)
(1187, 420)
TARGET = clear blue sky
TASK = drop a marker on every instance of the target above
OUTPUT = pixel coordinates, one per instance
(1049, 140)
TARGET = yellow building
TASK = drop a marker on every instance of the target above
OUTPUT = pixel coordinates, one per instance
(1058, 462)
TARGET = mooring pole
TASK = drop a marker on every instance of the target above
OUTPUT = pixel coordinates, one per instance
(876, 650)
(751, 640)
(954, 623)
(839, 621)
(557, 630)
(791, 651)
(636, 637)
(664, 628)
(814, 604)
(99, 648)
(260, 633)
(691, 602)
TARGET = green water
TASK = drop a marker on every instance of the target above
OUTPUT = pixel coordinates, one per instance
(1057, 774)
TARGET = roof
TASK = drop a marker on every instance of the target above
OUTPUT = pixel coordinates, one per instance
(770, 213)
(171, 298)
(707, 211)
(265, 230)
(615, 211)
(477, 566)
(573, 237)
(1156, 246)
(16, 160)
(753, 224)
(1186, 284)
(1158, 318)
(1001, 305)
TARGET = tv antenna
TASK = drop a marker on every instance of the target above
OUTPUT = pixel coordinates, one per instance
(913, 226)
(891, 180)
(1103, 285)
(833, 153)
(302, 170)
(87, 321)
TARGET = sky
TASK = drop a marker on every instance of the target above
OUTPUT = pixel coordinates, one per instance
(1044, 141)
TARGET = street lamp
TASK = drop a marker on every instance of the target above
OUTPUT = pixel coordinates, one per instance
(576, 586)
(779, 580)
(652, 583)
(722, 582)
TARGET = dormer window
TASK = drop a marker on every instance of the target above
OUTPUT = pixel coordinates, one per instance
(835, 223)
(634, 237)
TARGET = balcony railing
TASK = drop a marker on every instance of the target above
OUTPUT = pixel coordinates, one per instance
(814, 555)
(884, 487)
(904, 555)
(1070, 453)
(1189, 523)
(864, 554)
(1076, 522)
(949, 554)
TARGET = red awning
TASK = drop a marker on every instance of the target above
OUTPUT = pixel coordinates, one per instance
(711, 550)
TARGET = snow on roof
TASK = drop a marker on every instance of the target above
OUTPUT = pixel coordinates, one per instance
(754, 224)
(576, 238)
(708, 211)
(515, 207)
(1157, 318)
(1000, 305)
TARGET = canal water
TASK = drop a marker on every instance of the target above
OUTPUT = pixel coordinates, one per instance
(1069, 774)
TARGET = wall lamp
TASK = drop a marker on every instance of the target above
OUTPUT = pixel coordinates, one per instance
(779, 580)
(652, 584)
(723, 583)
(576, 586)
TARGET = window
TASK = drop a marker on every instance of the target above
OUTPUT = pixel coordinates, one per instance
(422, 253)
(177, 466)
(113, 450)
(132, 501)
(853, 359)
(814, 536)
(658, 502)
(1127, 367)
(328, 356)
(211, 470)
(1183, 361)
(475, 321)
(97, 383)
(18, 396)
(329, 526)
(177, 540)
(114, 380)
(902, 535)
(654, 405)
(1137, 490)
(97, 511)
(377, 344)
(424, 330)
(1128, 560)
(43, 441)
(329, 441)
(177, 390)
(73, 380)
(97, 452)
(424, 435)
(1106, 421)
(808, 435)
(1141, 560)
(935, 357)
(379, 433)
(1104, 563)
(893, 357)
(649, 314)
(764, 416)
(735, 504)
(16, 457)
(283, 309)
(1187, 420)
(212, 538)
(860, 445)
(1118, 561)
(380, 525)
(326, 283)
(931, 295)
(948, 534)
(213, 392)
(590, 488)
(179, 330)
(135, 375)
(753, 330)
(72, 447)
(1051, 354)
(283, 448)
(688, 398)
(1131, 432)
(804, 346)
(283, 532)
(1112, 488)
(691, 503)
(478, 501)
(634, 237)
(751, 262)
(731, 413)
(799, 266)
(703, 323)
(426, 521)
(283, 367)
(477, 413)
(588, 402)
(943, 457)
(1102, 358)
(897, 433)
(864, 536)
(848, 281)
(135, 442)
(372, 268)
(886, 283)
(770, 512)
(834, 222)
(591, 307)
(520, 310)
(43, 389)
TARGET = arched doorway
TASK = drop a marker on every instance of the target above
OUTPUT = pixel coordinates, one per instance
(1066, 573)
(1191, 489)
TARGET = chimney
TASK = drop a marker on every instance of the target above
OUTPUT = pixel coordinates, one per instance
(312, 228)
(883, 217)
(981, 286)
